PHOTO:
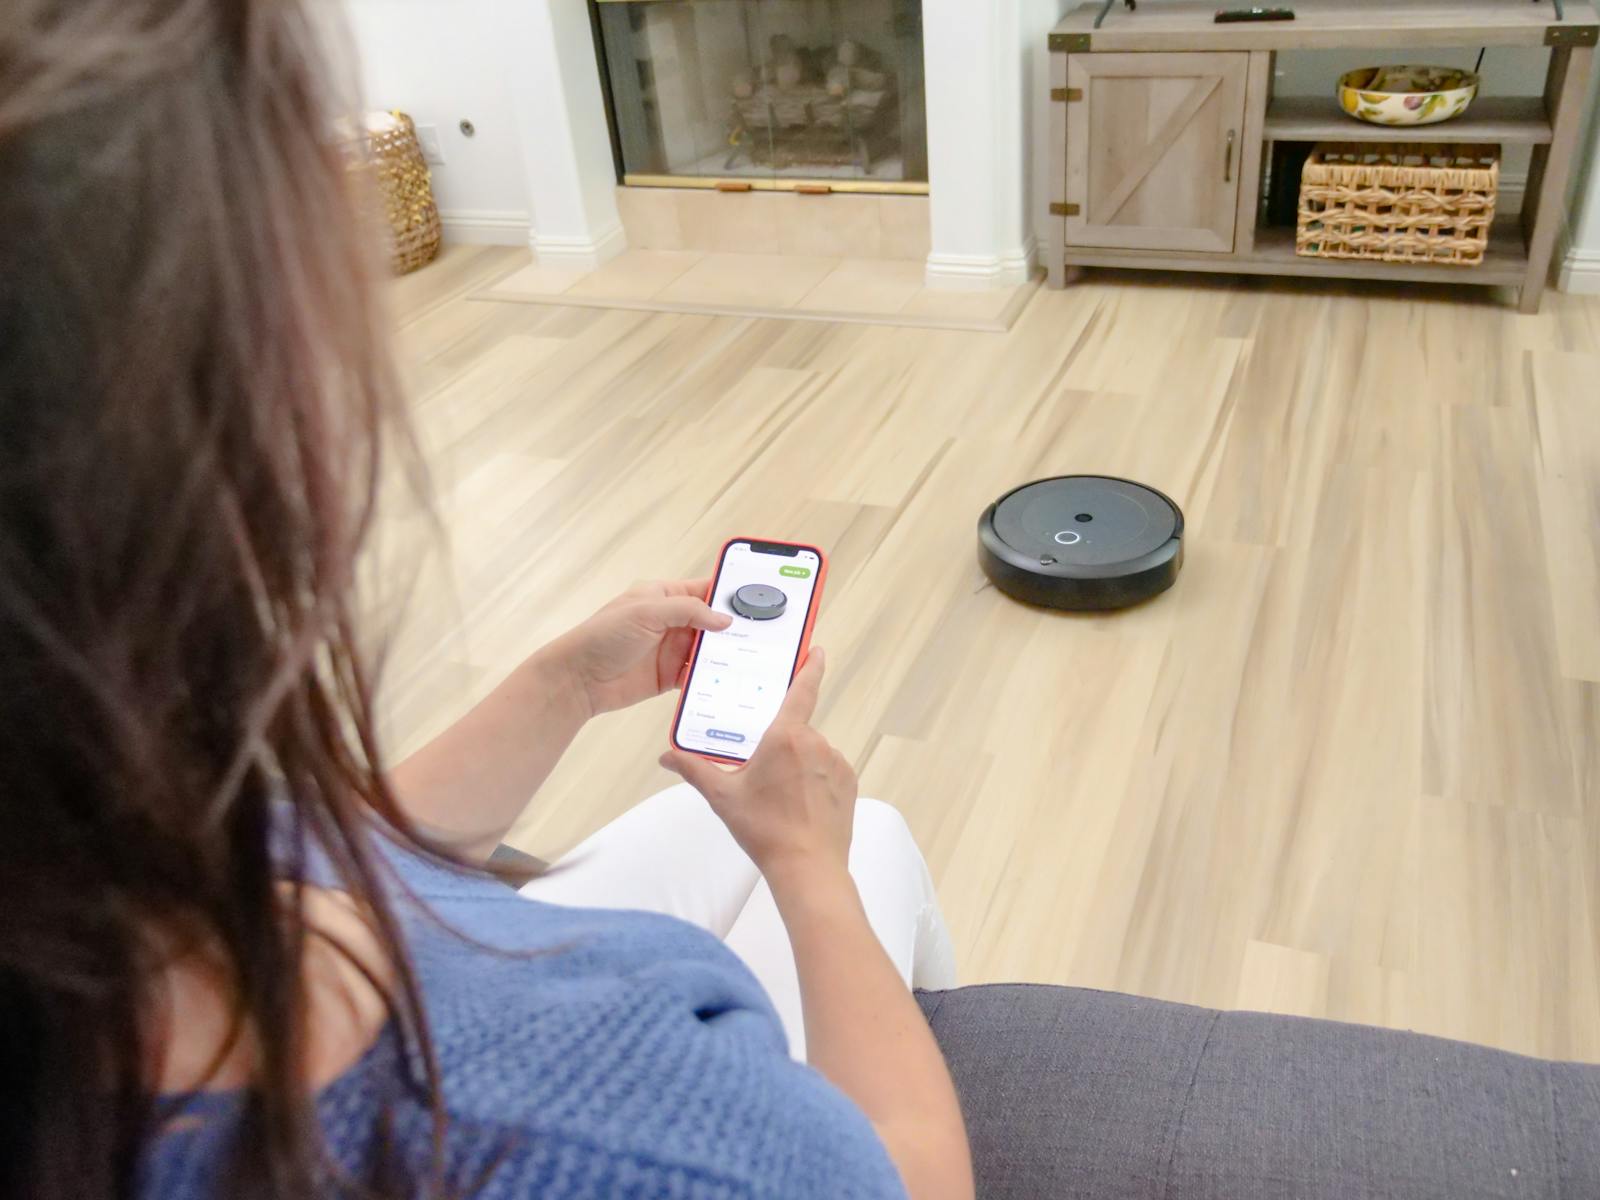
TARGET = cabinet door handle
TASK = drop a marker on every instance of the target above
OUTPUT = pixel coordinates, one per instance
(1227, 159)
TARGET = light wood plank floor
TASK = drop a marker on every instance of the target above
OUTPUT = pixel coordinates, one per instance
(783, 286)
(1349, 766)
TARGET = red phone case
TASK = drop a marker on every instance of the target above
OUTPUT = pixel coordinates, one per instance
(799, 659)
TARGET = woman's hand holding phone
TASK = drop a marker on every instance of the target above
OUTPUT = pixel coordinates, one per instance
(469, 783)
(792, 806)
(636, 646)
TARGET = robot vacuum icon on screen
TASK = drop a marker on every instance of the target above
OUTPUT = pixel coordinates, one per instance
(759, 602)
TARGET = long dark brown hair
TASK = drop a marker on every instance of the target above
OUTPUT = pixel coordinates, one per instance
(194, 386)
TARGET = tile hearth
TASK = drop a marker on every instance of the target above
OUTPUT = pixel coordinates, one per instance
(797, 286)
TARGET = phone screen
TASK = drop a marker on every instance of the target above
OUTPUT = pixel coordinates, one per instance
(739, 675)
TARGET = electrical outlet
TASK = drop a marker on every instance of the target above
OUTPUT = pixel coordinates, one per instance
(432, 148)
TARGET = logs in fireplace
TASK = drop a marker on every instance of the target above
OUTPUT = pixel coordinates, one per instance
(822, 105)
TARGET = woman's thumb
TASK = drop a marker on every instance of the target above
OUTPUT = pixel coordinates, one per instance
(703, 775)
(687, 612)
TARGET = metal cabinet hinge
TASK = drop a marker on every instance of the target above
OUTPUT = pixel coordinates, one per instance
(1070, 43)
(1571, 35)
(1064, 210)
(1067, 95)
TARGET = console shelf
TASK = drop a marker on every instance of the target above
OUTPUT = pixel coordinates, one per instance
(1505, 119)
(1504, 264)
(1160, 124)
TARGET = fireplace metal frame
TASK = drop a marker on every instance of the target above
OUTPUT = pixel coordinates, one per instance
(728, 183)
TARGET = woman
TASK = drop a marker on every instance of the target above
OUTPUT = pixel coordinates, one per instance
(238, 956)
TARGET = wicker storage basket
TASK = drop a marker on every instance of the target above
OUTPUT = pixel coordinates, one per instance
(1410, 202)
(389, 149)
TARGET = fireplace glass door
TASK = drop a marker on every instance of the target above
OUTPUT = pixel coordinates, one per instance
(767, 93)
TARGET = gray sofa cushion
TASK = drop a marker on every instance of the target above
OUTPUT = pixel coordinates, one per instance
(1069, 1092)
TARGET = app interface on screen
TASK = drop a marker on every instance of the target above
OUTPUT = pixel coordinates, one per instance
(742, 673)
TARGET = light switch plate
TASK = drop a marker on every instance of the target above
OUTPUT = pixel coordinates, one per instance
(432, 149)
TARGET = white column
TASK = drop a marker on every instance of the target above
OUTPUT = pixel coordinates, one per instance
(566, 147)
(1580, 266)
(973, 55)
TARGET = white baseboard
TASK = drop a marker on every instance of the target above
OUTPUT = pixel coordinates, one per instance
(1580, 271)
(1577, 267)
(585, 253)
(980, 272)
(1017, 267)
(485, 226)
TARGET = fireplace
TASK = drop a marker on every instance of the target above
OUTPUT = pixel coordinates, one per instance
(775, 95)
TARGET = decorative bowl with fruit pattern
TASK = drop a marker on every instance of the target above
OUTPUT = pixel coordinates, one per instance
(1406, 95)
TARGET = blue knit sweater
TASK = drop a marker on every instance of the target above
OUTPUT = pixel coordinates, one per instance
(633, 1055)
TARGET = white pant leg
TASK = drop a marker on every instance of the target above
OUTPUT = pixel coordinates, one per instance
(668, 854)
(902, 908)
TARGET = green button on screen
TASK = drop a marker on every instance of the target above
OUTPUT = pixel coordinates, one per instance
(795, 572)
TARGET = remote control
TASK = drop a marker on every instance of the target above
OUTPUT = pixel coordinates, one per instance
(1226, 16)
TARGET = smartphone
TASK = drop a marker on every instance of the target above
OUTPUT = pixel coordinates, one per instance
(736, 678)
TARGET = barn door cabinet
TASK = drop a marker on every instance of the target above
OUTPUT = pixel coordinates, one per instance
(1161, 121)
(1153, 150)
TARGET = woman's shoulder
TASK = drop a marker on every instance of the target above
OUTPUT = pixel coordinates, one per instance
(626, 1041)
(463, 926)
(489, 959)
(578, 1052)
(673, 1075)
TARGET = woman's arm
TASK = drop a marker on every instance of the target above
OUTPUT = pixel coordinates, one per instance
(866, 1033)
(471, 782)
(791, 808)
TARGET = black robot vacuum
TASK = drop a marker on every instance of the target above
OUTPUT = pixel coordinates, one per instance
(1082, 542)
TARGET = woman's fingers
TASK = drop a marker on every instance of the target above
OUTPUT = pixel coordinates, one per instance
(687, 587)
(655, 589)
(650, 588)
(682, 612)
(672, 658)
(801, 701)
(703, 775)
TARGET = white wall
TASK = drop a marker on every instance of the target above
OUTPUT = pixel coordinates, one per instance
(1580, 269)
(443, 61)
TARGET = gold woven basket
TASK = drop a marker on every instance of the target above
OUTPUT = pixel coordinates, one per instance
(393, 156)
(1408, 202)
